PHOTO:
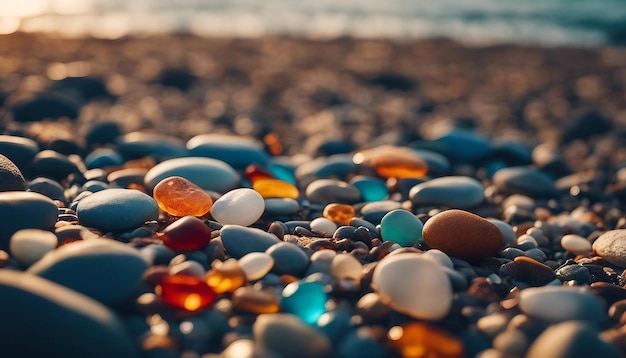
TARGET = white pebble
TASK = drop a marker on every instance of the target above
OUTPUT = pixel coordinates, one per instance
(29, 245)
(346, 266)
(413, 285)
(256, 265)
(439, 257)
(559, 303)
(241, 206)
(323, 225)
(576, 244)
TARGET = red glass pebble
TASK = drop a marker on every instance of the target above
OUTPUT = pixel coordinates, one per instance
(186, 233)
(254, 172)
(186, 292)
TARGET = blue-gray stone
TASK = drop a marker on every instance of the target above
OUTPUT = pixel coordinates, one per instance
(324, 191)
(524, 180)
(43, 319)
(374, 212)
(336, 166)
(285, 335)
(103, 157)
(207, 173)
(145, 144)
(457, 192)
(238, 152)
(106, 270)
(438, 164)
(239, 240)
(24, 210)
(571, 340)
(281, 206)
(289, 259)
(116, 210)
(465, 146)
(48, 187)
(19, 150)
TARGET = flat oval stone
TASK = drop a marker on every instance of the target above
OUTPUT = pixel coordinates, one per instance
(30, 245)
(346, 266)
(240, 240)
(256, 265)
(508, 234)
(462, 234)
(11, 178)
(241, 206)
(454, 191)
(576, 244)
(375, 211)
(612, 247)
(209, 174)
(324, 191)
(393, 162)
(274, 188)
(289, 259)
(529, 271)
(323, 225)
(102, 158)
(145, 144)
(560, 303)
(19, 150)
(334, 166)
(437, 163)
(281, 206)
(413, 285)
(372, 189)
(238, 152)
(524, 180)
(48, 187)
(116, 210)
(43, 319)
(465, 146)
(571, 340)
(401, 227)
(284, 335)
(178, 196)
(24, 210)
(54, 165)
(106, 270)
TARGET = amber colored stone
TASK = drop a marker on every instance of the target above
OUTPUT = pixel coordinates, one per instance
(274, 188)
(186, 233)
(422, 340)
(393, 162)
(255, 172)
(273, 144)
(225, 276)
(186, 292)
(256, 301)
(178, 196)
(339, 213)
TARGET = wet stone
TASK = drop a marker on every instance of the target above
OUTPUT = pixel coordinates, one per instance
(11, 178)
(208, 174)
(24, 210)
(281, 206)
(453, 191)
(116, 210)
(256, 265)
(238, 152)
(401, 227)
(241, 206)
(178, 196)
(239, 240)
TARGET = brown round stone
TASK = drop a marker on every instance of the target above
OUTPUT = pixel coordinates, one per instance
(463, 235)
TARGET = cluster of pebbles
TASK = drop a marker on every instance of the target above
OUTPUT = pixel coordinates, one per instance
(293, 198)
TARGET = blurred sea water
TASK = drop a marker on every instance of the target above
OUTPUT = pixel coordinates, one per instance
(474, 22)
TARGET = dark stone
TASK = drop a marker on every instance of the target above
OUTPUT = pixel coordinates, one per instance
(101, 133)
(589, 124)
(288, 258)
(45, 105)
(11, 178)
(577, 273)
(392, 82)
(24, 210)
(49, 188)
(19, 150)
(179, 78)
(86, 88)
(55, 165)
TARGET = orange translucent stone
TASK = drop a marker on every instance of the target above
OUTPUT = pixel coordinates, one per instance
(252, 300)
(422, 340)
(186, 292)
(393, 162)
(272, 143)
(254, 172)
(178, 196)
(186, 234)
(339, 213)
(274, 188)
(225, 276)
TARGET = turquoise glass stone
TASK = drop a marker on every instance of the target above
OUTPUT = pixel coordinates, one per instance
(372, 189)
(306, 300)
(401, 226)
(282, 172)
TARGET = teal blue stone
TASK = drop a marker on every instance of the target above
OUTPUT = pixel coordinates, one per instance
(401, 226)
(103, 157)
(335, 166)
(372, 189)
(307, 300)
(238, 152)
(465, 146)
(282, 172)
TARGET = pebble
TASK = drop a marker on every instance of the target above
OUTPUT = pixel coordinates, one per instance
(178, 196)
(256, 265)
(241, 206)
(289, 259)
(24, 210)
(375, 211)
(239, 240)
(525, 181)
(401, 227)
(116, 210)
(34, 309)
(102, 158)
(559, 303)
(611, 245)
(362, 343)
(454, 191)
(346, 267)
(11, 178)
(48, 187)
(250, 299)
(209, 174)
(393, 162)
(186, 292)
(413, 285)
(145, 144)
(19, 150)
(438, 164)
(281, 206)
(571, 340)
(334, 166)
(284, 335)
(508, 235)
(186, 234)
(29, 245)
(325, 191)
(305, 300)
(463, 235)
(103, 269)
(372, 189)
(323, 225)
(578, 273)
(465, 146)
(439, 257)
(528, 271)
(53, 164)
(341, 214)
(274, 188)
(576, 244)
(226, 276)
(238, 152)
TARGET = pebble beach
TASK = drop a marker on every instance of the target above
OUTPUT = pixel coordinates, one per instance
(179, 196)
